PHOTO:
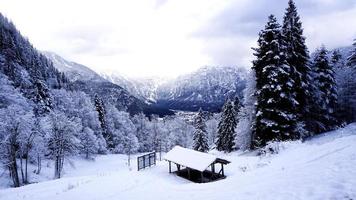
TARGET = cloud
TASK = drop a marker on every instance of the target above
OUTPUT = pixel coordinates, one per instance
(230, 34)
(169, 37)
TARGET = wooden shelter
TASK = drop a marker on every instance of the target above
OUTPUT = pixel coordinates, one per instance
(196, 166)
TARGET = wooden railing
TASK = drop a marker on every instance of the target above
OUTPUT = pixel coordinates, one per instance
(146, 160)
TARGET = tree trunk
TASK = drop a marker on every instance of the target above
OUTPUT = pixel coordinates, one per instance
(21, 168)
(38, 164)
(14, 172)
(26, 164)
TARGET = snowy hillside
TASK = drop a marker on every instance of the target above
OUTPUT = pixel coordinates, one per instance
(320, 168)
(73, 71)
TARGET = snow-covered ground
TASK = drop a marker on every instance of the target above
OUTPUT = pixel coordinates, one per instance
(323, 167)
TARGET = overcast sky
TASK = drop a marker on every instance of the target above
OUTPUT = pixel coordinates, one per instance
(169, 37)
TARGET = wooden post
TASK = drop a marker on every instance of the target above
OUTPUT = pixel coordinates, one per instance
(149, 160)
(222, 169)
(155, 158)
(138, 163)
(170, 169)
(201, 177)
(188, 172)
(213, 168)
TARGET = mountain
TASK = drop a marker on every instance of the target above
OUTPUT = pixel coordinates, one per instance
(142, 88)
(84, 79)
(208, 88)
(72, 70)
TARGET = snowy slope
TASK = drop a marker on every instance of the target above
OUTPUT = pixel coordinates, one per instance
(320, 168)
(73, 71)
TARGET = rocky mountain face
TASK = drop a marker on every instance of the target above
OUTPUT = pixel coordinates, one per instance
(142, 88)
(207, 88)
(84, 79)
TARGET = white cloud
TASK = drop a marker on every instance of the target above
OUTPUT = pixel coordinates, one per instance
(168, 37)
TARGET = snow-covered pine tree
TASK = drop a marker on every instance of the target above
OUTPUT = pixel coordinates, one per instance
(42, 98)
(226, 129)
(200, 136)
(237, 106)
(351, 60)
(275, 117)
(326, 88)
(336, 59)
(298, 59)
(100, 108)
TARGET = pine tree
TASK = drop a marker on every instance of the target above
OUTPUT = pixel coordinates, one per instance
(326, 88)
(42, 98)
(351, 60)
(200, 138)
(100, 108)
(226, 129)
(237, 106)
(336, 58)
(298, 59)
(275, 119)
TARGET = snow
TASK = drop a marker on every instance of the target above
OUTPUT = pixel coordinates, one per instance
(320, 168)
(190, 158)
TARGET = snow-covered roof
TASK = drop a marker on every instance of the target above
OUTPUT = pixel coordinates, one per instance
(190, 158)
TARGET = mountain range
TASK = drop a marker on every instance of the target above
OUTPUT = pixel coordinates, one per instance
(206, 88)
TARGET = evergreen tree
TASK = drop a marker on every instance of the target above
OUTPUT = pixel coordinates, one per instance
(336, 58)
(275, 118)
(200, 138)
(42, 99)
(237, 106)
(351, 60)
(226, 129)
(100, 108)
(298, 59)
(326, 87)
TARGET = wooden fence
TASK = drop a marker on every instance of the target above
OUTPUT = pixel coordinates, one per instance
(146, 160)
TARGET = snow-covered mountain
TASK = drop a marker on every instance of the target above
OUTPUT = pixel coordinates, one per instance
(143, 88)
(208, 87)
(73, 70)
(84, 79)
